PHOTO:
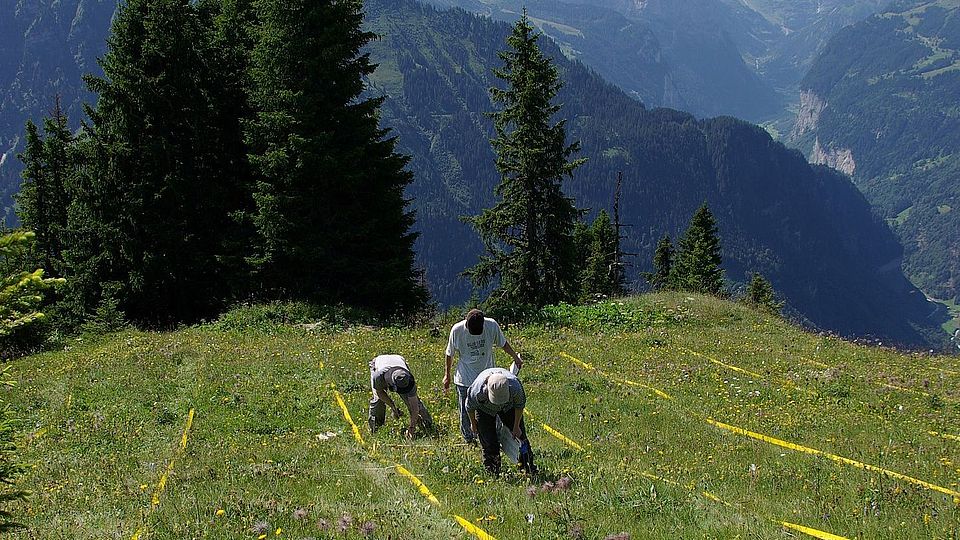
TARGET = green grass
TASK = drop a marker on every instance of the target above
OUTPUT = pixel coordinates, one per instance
(104, 418)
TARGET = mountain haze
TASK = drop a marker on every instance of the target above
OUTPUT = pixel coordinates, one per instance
(880, 104)
(46, 46)
(807, 228)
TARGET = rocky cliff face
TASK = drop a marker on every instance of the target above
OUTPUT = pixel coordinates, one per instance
(840, 159)
(808, 117)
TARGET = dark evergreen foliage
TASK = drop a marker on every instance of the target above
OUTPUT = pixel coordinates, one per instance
(663, 256)
(761, 295)
(161, 187)
(49, 168)
(331, 217)
(601, 275)
(697, 267)
(528, 234)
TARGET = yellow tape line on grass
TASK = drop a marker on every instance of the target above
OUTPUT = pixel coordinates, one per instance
(832, 457)
(628, 382)
(162, 484)
(424, 490)
(793, 526)
(805, 449)
(402, 471)
(473, 529)
(723, 364)
(349, 419)
(556, 433)
(812, 532)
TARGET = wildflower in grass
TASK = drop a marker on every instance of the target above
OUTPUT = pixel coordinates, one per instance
(323, 524)
(575, 532)
(563, 484)
(547, 487)
(368, 528)
(260, 527)
(300, 514)
(617, 536)
(531, 491)
(220, 512)
(344, 523)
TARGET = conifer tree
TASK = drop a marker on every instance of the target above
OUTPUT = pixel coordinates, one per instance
(601, 275)
(153, 211)
(528, 234)
(331, 216)
(49, 166)
(697, 264)
(761, 295)
(659, 279)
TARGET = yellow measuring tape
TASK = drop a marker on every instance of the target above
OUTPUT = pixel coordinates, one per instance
(403, 471)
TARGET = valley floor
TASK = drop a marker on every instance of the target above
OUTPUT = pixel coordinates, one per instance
(697, 419)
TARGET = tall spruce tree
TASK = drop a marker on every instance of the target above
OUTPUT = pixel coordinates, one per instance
(49, 169)
(601, 274)
(528, 234)
(663, 256)
(331, 216)
(698, 259)
(154, 212)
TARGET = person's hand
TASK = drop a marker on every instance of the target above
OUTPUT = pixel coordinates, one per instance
(519, 362)
(516, 433)
(410, 433)
(446, 383)
(474, 428)
(396, 412)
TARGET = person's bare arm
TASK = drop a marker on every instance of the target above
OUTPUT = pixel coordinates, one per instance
(507, 348)
(446, 373)
(413, 406)
(473, 422)
(517, 416)
(385, 397)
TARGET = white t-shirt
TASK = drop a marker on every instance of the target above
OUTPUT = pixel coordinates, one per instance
(382, 366)
(476, 352)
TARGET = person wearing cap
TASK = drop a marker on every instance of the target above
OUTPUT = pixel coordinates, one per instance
(473, 339)
(497, 393)
(390, 372)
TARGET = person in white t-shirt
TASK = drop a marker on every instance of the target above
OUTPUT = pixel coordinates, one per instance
(473, 339)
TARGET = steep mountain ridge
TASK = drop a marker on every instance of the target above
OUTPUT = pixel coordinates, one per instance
(880, 105)
(45, 48)
(808, 229)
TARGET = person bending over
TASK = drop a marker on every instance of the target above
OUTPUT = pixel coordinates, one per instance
(390, 372)
(498, 393)
(473, 339)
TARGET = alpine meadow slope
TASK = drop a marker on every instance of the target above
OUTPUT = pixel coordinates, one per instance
(651, 408)
(806, 228)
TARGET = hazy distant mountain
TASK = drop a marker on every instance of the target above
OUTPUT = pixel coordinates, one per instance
(736, 57)
(45, 48)
(880, 103)
(808, 229)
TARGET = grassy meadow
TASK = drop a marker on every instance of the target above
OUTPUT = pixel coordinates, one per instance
(233, 430)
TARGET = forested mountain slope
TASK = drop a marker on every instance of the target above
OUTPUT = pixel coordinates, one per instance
(881, 104)
(45, 48)
(807, 228)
